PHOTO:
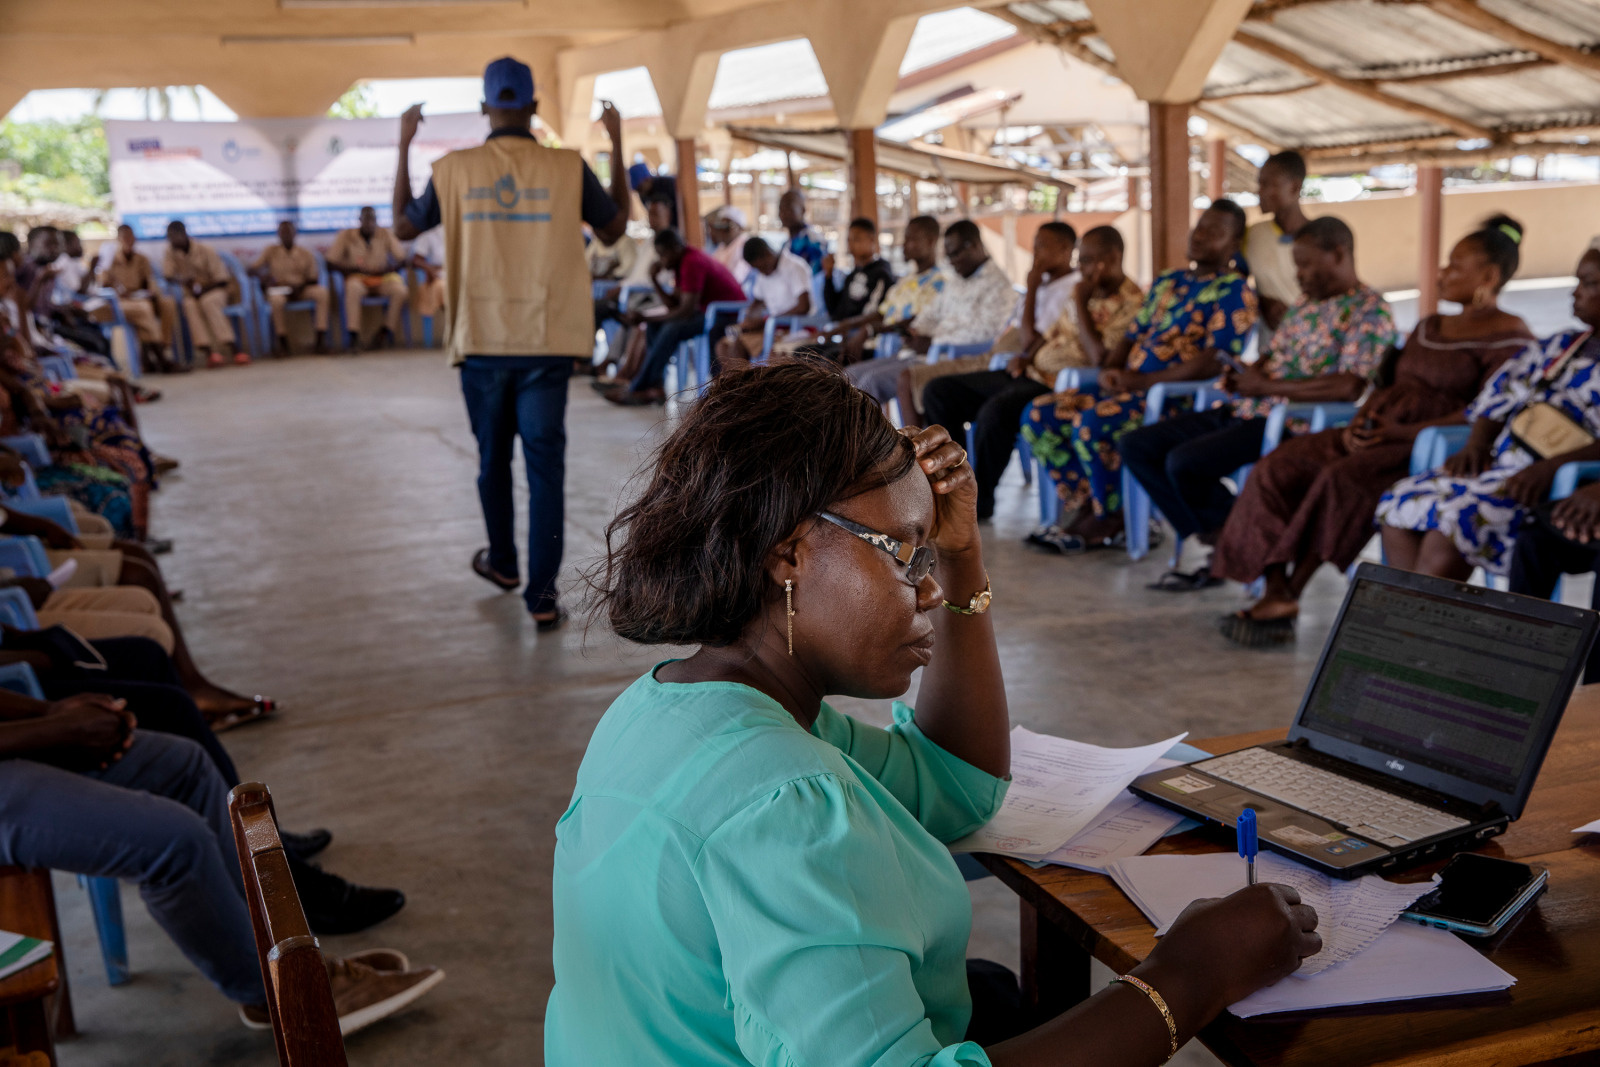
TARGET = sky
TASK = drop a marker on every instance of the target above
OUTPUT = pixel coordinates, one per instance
(784, 70)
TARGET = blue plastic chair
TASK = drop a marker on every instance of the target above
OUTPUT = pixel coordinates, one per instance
(888, 346)
(25, 556)
(946, 350)
(57, 368)
(27, 499)
(1435, 444)
(695, 353)
(1572, 476)
(105, 897)
(119, 321)
(16, 611)
(182, 341)
(769, 332)
(243, 315)
(31, 447)
(1137, 510)
(1079, 379)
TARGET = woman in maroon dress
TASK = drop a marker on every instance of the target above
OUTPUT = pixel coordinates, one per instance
(1311, 500)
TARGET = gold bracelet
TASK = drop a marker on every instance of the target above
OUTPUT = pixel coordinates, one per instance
(1161, 1005)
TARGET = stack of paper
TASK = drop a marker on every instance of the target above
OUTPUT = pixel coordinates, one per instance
(1125, 828)
(1367, 956)
(1058, 789)
(1588, 828)
(17, 952)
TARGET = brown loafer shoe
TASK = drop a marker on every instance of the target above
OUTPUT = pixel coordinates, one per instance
(363, 995)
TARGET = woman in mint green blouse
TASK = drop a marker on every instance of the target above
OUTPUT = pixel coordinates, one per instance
(747, 876)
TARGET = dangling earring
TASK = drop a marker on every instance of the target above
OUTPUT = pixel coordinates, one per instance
(788, 596)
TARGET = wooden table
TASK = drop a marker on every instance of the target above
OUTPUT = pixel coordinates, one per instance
(1552, 1014)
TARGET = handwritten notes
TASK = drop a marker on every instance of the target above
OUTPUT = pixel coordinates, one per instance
(1058, 789)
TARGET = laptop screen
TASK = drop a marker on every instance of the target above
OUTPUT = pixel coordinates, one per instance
(1456, 685)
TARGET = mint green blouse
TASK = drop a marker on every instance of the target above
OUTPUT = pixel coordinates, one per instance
(730, 889)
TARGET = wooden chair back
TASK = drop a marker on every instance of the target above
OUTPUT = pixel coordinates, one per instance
(35, 1007)
(305, 1024)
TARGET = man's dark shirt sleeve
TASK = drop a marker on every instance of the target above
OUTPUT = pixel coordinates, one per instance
(598, 207)
(423, 212)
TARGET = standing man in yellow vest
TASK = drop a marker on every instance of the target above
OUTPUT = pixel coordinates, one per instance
(517, 296)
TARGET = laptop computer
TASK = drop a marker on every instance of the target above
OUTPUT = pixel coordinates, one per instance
(1420, 735)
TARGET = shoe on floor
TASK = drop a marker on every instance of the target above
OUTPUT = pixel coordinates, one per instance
(480, 567)
(622, 397)
(362, 995)
(255, 1016)
(306, 845)
(336, 906)
(546, 625)
(157, 546)
(382, 959)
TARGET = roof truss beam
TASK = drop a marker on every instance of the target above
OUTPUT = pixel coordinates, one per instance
(1469, 13)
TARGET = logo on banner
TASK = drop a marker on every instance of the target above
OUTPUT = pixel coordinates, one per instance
(145, 144)
(230, 150)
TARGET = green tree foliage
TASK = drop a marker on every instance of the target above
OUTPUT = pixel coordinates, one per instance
(356, 103)
(53, 160)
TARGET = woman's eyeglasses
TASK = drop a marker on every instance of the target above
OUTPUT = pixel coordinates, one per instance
(917, 561)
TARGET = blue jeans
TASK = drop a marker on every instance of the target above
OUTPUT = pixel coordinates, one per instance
(526, 400)
(158, 817)
(664, 339)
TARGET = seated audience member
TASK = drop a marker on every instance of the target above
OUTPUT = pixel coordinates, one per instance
(780, 867)
(728, 229)
(1191, 317)
(1269, 244)
(84, 792)
(289, 272)
(73, 275)
(700, 280)
(609, 262)
(1311, 500)
(972, 308)
(993, 400)
(654, 188)
(1560, 538)
(369, 257)
(905, 300)
(782, 287)
(1468, 514)
(207, 288)
(869, 280)
(1327, 347)
(40, 278)
(1045, 300)
(803, 241)
(152, 314)
(427, 256)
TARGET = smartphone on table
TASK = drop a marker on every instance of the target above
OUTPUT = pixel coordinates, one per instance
(1479, 895)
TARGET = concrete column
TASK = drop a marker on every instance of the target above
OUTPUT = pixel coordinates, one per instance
(1430, 205)
(1216, 169)
(863, 175)
(1170, 201)
(689, 193)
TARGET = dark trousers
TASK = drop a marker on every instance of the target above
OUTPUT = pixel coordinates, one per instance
(1181, 462)
(530, 403)
(139, 671)
(1538, 561)
(993, 401)
(663, 339)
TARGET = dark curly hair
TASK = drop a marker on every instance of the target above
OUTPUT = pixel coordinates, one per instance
(764, 449)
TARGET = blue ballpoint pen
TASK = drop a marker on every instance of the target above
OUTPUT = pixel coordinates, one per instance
(1247, 841)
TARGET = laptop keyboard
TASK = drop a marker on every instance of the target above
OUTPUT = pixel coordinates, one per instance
(1366, 812)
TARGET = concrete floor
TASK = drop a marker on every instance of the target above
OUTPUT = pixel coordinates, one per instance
(324, 519)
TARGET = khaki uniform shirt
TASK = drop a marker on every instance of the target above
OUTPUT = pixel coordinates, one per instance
(127, 274)
(293, 267)
(382, 254)
(200, 264)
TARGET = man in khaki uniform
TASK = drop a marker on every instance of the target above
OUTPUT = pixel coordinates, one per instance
(368, 257)
(208, 288)
(152, 314)
(289, 273)
(513, 213)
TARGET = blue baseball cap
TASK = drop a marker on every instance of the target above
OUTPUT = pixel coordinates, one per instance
(638, 174)
(507, 83)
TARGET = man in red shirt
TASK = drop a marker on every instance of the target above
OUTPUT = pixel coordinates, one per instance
(701, 281)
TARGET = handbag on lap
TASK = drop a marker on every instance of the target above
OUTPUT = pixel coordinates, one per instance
(1544, 429)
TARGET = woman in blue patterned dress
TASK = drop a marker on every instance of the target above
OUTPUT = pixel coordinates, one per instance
(1190, 316)
(1467, 514)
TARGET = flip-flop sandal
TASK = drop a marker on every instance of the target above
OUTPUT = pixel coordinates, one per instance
(480, 567)
(1257, 633)
(1179, 582)
(260, 708)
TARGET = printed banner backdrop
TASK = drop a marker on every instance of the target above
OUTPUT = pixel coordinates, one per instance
(240, 179)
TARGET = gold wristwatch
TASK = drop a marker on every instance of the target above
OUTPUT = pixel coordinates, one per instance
(978, 604)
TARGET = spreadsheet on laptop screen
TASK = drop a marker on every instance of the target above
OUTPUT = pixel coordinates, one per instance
(1461, 688)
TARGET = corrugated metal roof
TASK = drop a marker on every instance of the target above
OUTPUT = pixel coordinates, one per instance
(1385, 45)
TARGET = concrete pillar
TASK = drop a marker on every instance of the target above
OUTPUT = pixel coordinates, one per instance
(689, 193)
(863, 175)
(1216, 169)
(1430, 205)
(1170, 202)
